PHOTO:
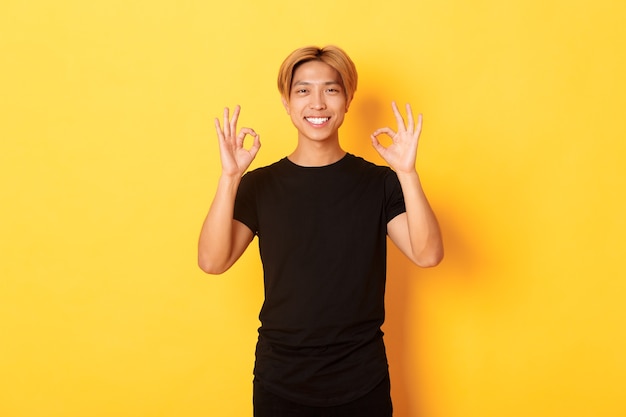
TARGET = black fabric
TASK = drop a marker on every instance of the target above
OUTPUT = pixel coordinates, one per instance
(376, 403)
(322, 240)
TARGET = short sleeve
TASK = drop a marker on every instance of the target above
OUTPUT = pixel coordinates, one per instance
(394, 199)
(245, 203)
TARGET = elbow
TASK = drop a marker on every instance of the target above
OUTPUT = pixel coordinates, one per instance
(428, 263)
(211, 268)
(429, 260)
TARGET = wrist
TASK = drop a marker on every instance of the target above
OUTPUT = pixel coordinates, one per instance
(229, 180)
(408, 175)
(230, 176)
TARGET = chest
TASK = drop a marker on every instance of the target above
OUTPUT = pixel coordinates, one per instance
(290, 205)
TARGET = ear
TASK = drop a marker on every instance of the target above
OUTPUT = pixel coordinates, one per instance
(285, 104)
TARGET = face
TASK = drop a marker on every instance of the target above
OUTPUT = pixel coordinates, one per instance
(317, 102)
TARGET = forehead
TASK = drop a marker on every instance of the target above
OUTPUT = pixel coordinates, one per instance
(315, 72)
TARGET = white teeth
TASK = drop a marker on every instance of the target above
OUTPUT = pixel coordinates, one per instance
(317, 120)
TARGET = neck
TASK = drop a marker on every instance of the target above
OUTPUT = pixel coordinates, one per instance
(316, 154)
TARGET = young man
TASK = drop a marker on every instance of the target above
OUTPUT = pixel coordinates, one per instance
(322, 217)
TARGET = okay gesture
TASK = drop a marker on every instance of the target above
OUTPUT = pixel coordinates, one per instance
(402, 152)
(234, 156)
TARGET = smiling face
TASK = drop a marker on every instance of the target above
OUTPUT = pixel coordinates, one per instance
(317, 101)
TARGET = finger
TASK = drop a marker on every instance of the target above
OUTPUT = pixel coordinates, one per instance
(376, 144)
(409, 116)
(418, 129)
(233, 120)
(218, 129)
(226, 124)
(399, 119)
(384, 131)
(242, 135)
(256, 144)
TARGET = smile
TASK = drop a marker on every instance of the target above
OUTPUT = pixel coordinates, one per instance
(317, 120)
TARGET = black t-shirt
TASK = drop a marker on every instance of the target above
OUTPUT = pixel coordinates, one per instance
(322, 240)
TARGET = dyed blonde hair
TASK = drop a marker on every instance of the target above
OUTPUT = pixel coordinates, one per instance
(330, 55)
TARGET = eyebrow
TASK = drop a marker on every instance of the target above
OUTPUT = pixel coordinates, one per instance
(311, 83)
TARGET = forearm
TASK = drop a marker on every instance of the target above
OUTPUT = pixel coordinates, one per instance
(423, 228)
(216, 236)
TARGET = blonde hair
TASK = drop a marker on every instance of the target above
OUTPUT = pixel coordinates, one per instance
(330, 55)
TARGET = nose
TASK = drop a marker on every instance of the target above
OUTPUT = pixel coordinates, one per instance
(317, 101)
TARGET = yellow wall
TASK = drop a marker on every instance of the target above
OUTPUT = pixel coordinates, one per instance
(108, 163)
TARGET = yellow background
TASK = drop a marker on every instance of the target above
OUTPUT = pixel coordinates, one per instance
(108, 163)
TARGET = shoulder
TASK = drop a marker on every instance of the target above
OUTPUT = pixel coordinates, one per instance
(265, 171)
(367, 167)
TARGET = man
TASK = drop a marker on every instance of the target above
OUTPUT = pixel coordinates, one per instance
(322, 217)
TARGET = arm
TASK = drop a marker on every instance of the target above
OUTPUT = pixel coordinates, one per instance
(223, 239)
(416, 233)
